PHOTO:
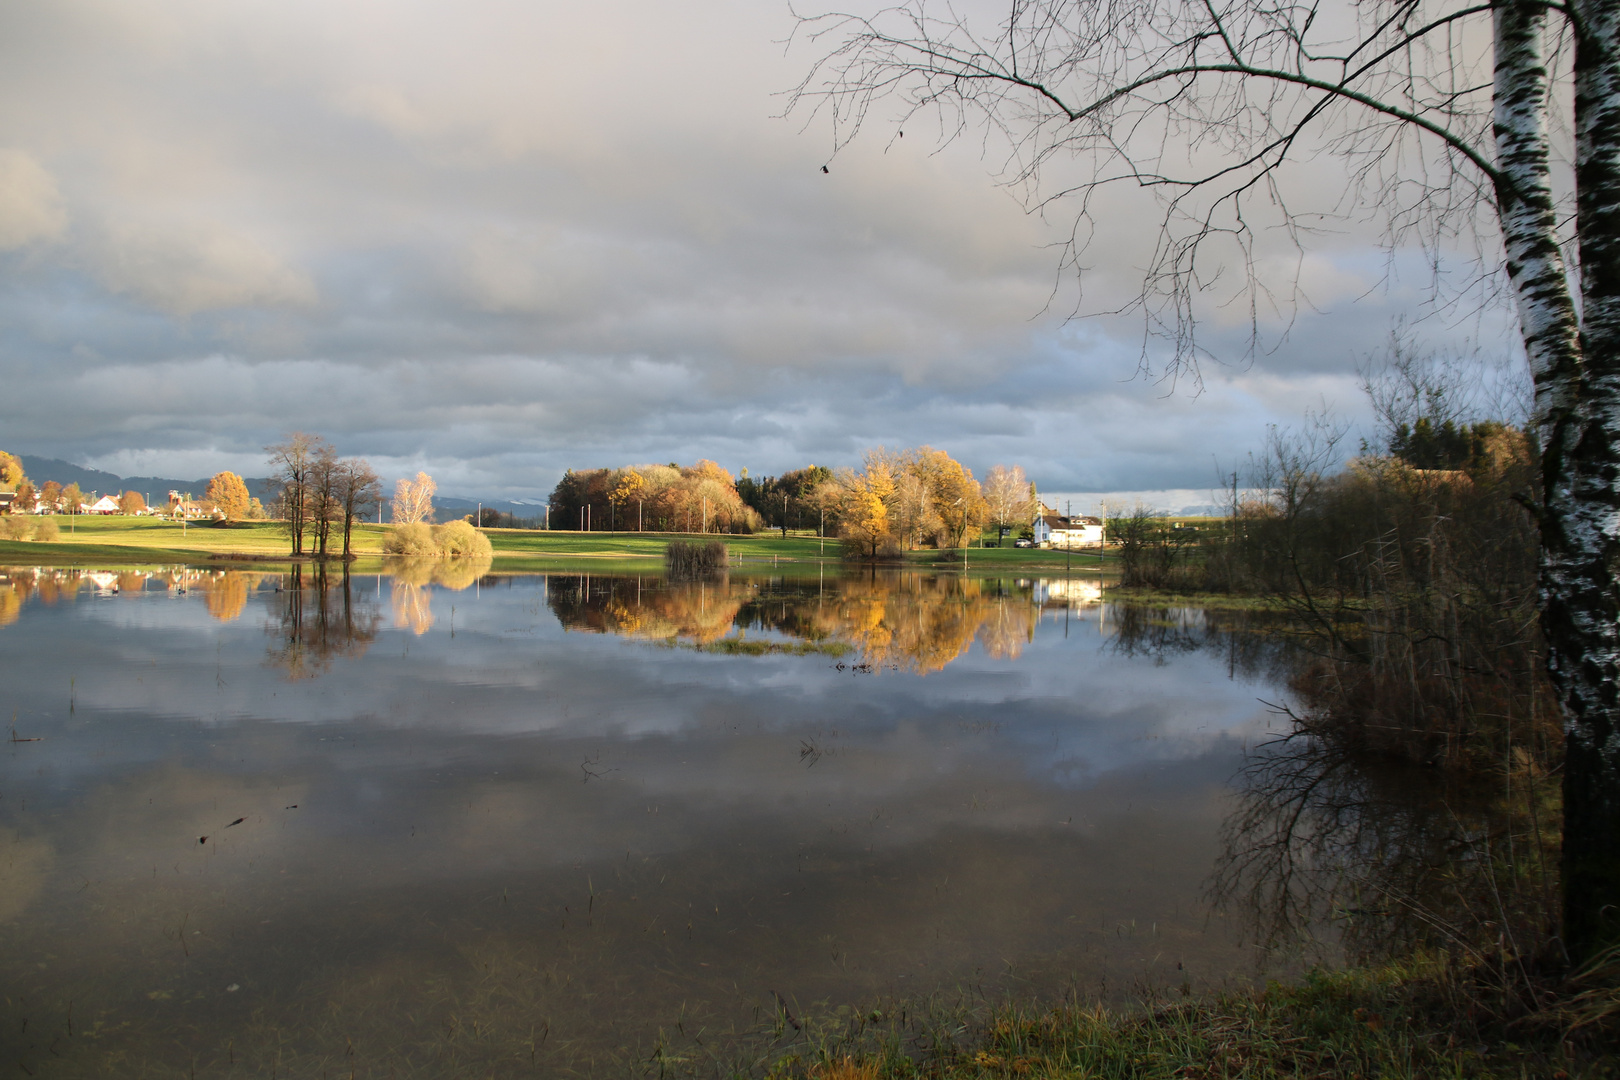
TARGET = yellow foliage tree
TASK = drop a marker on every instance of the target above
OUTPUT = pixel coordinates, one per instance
(11, 472)
(864, 517)
(228, 494)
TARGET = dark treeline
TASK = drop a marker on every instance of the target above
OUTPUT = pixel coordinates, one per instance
(489, 518)
(787, 501)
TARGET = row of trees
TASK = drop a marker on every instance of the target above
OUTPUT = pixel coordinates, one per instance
(320, 492)
(898, 500)
(658, 498)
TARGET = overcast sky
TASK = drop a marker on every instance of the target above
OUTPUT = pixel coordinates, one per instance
(495, 240)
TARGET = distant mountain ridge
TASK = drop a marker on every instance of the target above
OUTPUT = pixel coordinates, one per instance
(41, 470)
(156, 488)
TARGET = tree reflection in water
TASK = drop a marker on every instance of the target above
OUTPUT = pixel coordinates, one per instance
(1328, 844)
(319, 620)
(412, 581)
(896, 620)
(225, 592)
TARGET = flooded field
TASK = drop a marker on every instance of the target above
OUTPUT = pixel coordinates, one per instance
(432, 823)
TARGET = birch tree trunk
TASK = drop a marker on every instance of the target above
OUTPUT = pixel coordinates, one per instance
(1577, 379)
(1581, 529)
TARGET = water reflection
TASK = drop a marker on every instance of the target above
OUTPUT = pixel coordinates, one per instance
(412, 581)
(1328, 846)
(893, 620)
(317, 619)
(518, 847)
(1392, 857)
(225, 592)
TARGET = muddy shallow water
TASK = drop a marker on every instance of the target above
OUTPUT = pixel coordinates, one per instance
(522, 825)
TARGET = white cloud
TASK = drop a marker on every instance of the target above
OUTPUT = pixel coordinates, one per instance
(31, 208)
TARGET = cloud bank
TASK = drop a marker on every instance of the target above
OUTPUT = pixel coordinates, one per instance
(497, 240)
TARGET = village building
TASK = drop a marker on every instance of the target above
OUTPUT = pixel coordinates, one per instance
(1055, 530)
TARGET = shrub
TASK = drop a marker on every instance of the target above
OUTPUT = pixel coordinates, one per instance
(458, 539)
(45, 529)
(15, 528)
(412, 539)
(682, 559)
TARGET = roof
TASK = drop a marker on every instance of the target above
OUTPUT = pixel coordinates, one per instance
(1058, 521)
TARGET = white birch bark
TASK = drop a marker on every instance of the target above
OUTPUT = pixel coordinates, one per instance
(1581, 533)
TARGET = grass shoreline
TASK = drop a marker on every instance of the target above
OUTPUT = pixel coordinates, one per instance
(133, 541)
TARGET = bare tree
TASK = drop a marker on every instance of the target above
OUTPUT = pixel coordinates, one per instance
(293, 461)
(324, 504)
(357, 490)
(1442, 114)
(413, 500)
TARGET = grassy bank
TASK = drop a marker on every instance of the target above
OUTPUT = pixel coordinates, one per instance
(1416, 1021)
(128, 540)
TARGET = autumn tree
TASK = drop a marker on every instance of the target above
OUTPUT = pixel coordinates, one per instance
(132, 503)
(26, 496)
(863, 514)
(72, 498)
(227, 493)
(627, 488)
(11, 472)
(1207, 108)
(1009, 498)
(413, 500)
(50, 495)
(955, 497)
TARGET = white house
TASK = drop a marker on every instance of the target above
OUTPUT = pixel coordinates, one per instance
(104, 505)
(1054, 530)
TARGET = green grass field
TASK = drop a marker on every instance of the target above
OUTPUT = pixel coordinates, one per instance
(134, 540)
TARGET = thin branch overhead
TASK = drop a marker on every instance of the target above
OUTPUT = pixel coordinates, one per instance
(1203, 104)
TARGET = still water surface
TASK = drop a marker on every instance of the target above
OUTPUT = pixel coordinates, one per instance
(426, 824)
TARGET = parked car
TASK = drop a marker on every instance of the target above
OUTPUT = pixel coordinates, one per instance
(1023, 543)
